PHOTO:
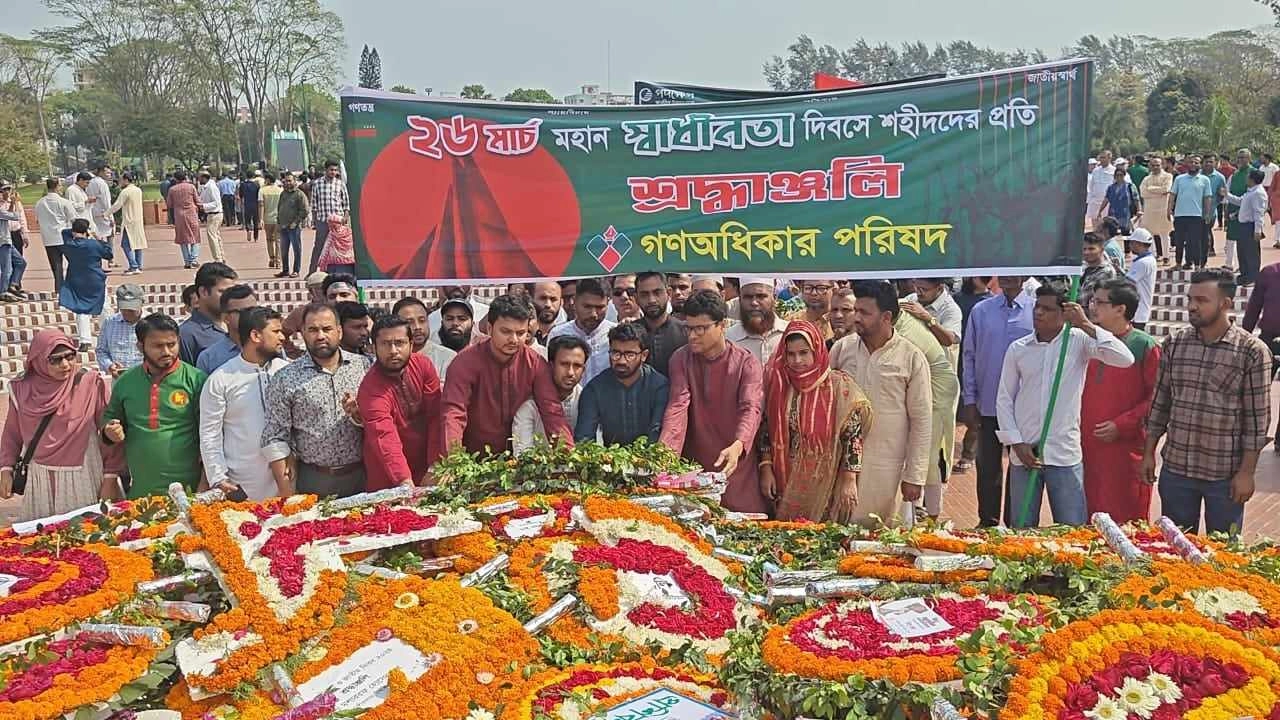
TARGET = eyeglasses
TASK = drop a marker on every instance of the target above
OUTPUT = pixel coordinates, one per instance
(700, 329)
(627, 355)
(619, 292)
(816, 289)
(64, 358)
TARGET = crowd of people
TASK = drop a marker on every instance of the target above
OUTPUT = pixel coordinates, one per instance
(818, 399)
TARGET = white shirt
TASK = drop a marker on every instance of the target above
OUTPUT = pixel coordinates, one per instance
(101, 209)
(598, 341)
(762, 346)
(210, 198)
(526, 426)
(1143, 274)
(1099, 179)
(1253, 206)
(479, 311)
(1269, 172)
(233, 415)
(1026, 379)
(79, 200)
(440, 356)
(54, 213)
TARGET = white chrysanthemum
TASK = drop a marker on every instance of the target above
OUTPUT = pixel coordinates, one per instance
(1106, 709)
(1164, 687)
(1218, 603)
(1137, 697)
(479, 714)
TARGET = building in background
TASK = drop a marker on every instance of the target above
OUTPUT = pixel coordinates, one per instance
(593, 95)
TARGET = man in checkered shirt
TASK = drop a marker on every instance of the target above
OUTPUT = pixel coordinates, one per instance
(328, 197)
(1212, 405)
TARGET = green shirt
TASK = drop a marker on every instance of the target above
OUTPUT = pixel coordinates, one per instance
(1137, 174)
(270, 204)
(161, 419)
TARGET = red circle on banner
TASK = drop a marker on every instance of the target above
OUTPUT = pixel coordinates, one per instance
(477, 216)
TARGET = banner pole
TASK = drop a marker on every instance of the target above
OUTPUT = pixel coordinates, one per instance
(1034, 477)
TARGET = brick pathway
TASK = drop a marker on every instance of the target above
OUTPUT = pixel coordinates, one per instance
(164, 265)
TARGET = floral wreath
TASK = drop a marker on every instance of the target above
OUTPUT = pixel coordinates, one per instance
(80, 673)
(1069, 548)
(59, 588)
(1244, 602)
(1153, 664)
(583, 691)
(555, 508)
(844, 638)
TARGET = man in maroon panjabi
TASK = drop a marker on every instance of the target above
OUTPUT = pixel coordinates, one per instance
(488, 381)
(712, 381)
(399, 402)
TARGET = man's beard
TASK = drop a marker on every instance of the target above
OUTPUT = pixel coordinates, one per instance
(653, 312)
(547, 315)
(454, 341)
(757, 321)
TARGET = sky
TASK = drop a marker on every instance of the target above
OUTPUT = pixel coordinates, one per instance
(562, 44)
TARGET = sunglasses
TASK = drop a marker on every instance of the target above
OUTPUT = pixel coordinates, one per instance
(63, 358)
(619, 292)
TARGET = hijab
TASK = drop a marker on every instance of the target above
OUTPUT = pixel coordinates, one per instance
(75, 406)
(817, 398)
(339, 247)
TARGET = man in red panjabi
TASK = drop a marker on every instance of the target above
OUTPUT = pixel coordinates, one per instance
(1114, 409)
(399, 402)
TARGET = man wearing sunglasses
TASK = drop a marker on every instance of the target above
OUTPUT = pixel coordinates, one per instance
(625, 306)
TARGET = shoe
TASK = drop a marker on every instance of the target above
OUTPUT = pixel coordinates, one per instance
(1186, 266)
(293, 275)
(1212, 254)
(281, 274)
(1228, 267)
(6, 297)
(1276, 245)
(85, 347)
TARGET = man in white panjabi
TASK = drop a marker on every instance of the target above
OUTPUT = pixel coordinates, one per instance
(894, 375)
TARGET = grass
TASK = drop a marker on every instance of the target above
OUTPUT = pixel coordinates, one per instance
(31, 193)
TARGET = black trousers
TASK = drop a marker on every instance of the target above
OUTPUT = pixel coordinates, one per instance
(54, 253)
(1188, 237)
(1250, 252)
(229, 210)
(991, 487)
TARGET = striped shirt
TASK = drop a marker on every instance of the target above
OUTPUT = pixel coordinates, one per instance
(1212, 401)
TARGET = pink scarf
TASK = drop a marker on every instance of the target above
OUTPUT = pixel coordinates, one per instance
(339, 247)
(76, 406)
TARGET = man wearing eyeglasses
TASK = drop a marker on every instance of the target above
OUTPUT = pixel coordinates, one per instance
(628, 402)
(625, 306)
(817, 304)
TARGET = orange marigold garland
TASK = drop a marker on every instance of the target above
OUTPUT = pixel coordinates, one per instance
(62, 588)
(844, 638)
(590, 690)
(1242, 601)
(1151, 663)
(901, 568)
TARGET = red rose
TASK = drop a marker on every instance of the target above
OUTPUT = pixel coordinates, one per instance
(1234, 675)
(1071, 715)
(1166, 712)
(1275, 712)
(1109, 680)
(1189, 670)
(1164, 662)
(1134, 665)
(1081, 697)
(1212, 685)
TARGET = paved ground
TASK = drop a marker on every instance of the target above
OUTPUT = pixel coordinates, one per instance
(164, 264)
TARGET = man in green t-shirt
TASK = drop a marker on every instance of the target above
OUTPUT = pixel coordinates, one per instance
(154, 411)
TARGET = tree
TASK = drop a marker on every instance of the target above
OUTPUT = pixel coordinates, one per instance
(530, 95)
(804, 58)
(1178, 99)
(476, 92)
(404, 89)
(370, 69)
(20, 156)
(33, 64)
(1273, 111)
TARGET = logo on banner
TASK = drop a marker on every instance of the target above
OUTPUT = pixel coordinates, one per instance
(609, 247)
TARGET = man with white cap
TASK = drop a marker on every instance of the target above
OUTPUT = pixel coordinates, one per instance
(715, 283)
(759, 330)
(118, 347)
(1101, 174)
(1142, 272)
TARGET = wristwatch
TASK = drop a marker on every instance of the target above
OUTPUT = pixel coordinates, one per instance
(933, 322)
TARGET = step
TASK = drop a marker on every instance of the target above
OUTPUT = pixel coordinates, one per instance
(1179, 287)
(1172, 300)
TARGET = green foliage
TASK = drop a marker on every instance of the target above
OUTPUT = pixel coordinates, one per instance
(476, 92)
(20, 154)
(1178, 99)
(404, 89)
(530, 95)
(370, 69)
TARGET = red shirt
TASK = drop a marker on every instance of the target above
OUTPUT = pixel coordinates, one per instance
(402, 433)
(481, 397)
(1226, 169)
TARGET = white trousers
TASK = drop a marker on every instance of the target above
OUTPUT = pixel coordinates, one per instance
(1231, 254)
(84, 328)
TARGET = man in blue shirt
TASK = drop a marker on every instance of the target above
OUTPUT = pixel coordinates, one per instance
(1217, 185)
(994, 324)
(235, 300)
(202, 329)
(1191, 206)
(117, 339)
(227, 189)
(628, 401)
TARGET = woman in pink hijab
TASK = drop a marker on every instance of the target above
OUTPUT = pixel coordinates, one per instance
(66, 471)
(339, 254)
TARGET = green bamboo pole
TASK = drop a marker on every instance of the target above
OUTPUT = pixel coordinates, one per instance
(1048, 413)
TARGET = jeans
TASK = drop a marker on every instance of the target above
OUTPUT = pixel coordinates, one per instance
(54, 253)
(990, 464)
(291, 239)
(1180, 498)
(12, 266)
(133, 257)
(1066, 494)
(190, 254)
(322, 234)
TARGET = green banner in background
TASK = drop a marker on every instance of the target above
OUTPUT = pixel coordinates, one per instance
(975, 175)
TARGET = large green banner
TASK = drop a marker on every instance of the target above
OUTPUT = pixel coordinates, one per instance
(975, 175)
